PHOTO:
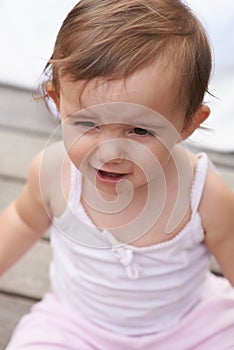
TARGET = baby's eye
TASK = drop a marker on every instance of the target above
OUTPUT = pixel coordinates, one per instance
(142, 132)
(86, 124)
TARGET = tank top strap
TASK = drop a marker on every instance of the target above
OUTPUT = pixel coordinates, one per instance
(199, 181)
(75, 186)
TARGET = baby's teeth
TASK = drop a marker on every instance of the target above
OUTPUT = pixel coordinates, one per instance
(105, 173)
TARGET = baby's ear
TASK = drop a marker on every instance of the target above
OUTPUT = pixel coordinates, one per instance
(195, 121)
(50, 90)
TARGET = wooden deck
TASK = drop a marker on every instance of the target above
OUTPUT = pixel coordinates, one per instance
(25, 126)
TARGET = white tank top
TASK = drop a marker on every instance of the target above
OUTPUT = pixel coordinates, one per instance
(127, 289)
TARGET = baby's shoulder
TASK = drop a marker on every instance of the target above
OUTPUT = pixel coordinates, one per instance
(216, 192)
(217, 203)
(50, 169)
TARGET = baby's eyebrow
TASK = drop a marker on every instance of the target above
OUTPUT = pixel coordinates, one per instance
(150, 126)
(85, 114)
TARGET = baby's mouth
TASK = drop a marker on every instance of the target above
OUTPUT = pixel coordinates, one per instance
(110, 175)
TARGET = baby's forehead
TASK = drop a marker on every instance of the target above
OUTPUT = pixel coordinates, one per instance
(155, 87)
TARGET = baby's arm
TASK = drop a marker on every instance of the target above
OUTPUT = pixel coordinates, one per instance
(217, 212)
(24, 221)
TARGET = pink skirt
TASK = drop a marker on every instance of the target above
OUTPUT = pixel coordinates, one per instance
(52, 326)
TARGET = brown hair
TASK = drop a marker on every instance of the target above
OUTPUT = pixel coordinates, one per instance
(114, 38)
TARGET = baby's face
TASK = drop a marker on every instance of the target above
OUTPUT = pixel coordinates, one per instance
(122, 130)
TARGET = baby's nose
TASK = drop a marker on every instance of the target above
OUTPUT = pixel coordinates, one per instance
(112, 150)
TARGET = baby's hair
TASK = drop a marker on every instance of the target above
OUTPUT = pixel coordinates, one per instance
(113, 39)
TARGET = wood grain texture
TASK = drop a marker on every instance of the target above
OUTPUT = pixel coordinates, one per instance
(29, 277)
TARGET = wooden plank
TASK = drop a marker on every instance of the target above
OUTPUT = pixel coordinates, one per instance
(9, 191)
(12, 309)
(29, 277)
(16, 152)
(25, 112)
(218, 158)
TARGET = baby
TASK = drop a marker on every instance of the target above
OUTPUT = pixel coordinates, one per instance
(134, 216)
